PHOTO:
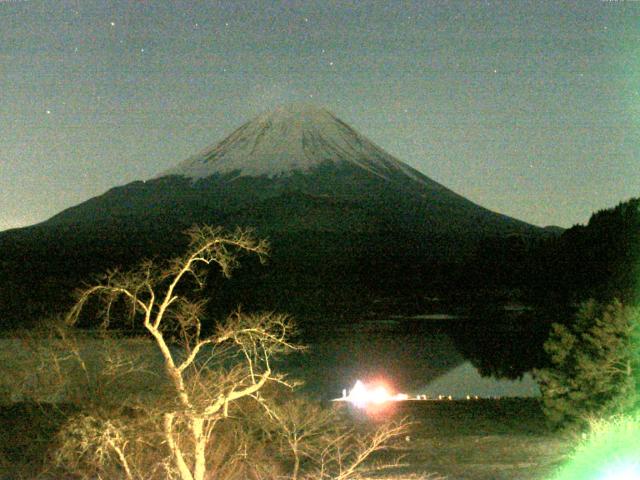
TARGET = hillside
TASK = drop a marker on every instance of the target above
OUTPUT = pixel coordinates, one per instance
(599, 260)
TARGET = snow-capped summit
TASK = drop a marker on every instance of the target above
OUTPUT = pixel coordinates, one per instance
(295, 168)
(292, 138)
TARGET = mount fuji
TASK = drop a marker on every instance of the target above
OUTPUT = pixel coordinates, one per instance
(296, 137)
(282, 164)
(345, 218)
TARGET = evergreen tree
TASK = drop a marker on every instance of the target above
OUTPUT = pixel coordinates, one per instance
(594, 364)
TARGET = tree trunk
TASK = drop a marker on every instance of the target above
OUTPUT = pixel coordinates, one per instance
(200, 441)
(296, 466)
(183, 469)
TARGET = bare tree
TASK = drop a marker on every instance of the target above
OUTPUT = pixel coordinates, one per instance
(345, 452)
(201, 421)
(157, 300)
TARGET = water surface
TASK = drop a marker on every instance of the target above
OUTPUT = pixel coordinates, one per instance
(416, 356)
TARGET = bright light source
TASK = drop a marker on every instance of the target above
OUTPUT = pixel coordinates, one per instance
(623, 471)
(363, 395)
(610, 451)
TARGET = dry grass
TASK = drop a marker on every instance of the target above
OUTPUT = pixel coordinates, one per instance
(477, 440)
(486, 440)
(471, 440)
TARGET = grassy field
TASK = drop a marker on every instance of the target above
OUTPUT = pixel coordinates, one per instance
(503, 439)
(474, 440)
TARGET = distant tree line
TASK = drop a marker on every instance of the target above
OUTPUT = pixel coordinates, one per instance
(598, 263)
(600, 260)
(338, 274)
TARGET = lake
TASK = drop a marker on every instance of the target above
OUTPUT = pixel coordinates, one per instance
(420, 356)
(430, 355)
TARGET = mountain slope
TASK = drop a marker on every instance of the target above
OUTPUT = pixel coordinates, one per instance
(348, 222)
(296, 149)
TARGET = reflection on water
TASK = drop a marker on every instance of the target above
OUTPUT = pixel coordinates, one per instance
(428, 355)
(417, 356)
(465, 381)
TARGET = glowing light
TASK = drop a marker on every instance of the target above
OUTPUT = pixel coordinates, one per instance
(611, 451)
(363, 395)
(360, 395)
(623, 471)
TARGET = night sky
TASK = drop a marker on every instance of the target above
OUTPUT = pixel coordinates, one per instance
(529, 108)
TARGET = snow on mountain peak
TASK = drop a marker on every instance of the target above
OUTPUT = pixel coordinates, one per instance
(293, 137)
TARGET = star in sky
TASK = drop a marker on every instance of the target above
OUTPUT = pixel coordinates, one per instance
(454, 89)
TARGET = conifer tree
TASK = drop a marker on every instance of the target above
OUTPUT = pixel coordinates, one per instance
(594, 366)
